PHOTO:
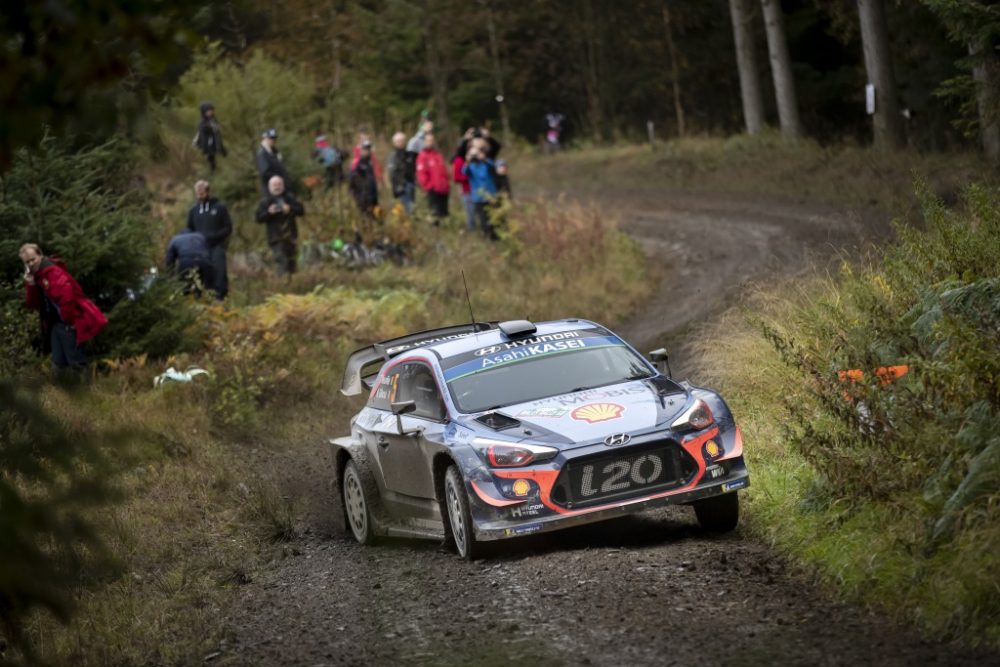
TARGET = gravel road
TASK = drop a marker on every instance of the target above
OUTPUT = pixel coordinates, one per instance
(644, 590)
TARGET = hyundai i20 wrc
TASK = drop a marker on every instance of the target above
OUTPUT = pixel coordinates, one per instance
(485, 431)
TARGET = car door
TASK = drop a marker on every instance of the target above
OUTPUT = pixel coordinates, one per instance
(405, 457)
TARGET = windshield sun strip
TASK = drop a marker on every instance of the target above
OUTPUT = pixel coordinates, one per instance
(535, 358)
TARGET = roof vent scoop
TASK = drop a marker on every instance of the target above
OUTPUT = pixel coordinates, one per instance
(517, 328)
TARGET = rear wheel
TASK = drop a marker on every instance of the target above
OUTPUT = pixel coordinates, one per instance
(460, 529)
(356, 505)
(718, 514)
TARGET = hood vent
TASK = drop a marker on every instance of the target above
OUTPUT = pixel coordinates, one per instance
(497, 421)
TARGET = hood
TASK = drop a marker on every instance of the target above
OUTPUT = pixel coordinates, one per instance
(588, 416)
(204, 107)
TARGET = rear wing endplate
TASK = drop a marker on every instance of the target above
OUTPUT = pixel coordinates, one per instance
(379, 353)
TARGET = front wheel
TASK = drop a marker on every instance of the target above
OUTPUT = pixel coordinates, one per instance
(718, 514)
(459, 528)
(359, 517)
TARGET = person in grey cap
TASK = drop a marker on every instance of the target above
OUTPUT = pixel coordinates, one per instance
(269, 162)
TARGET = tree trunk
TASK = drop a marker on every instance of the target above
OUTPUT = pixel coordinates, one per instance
(437, 74)
(986, 73)
(592, 82)
(888, 122)
(746, 61)
(497, 71)
(675, 72)
(781, 71)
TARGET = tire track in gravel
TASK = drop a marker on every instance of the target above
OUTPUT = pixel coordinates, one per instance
(642, 590)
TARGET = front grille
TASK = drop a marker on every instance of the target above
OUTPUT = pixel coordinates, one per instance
(622, 474)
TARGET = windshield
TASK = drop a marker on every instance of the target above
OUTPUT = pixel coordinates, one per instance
(506, 378)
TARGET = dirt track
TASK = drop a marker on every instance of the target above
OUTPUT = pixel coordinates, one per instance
(647, 590)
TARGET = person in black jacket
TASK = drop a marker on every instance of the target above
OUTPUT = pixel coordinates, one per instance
(187, 256)
(209, 137)
(269, 161)
(278, 210)
(210, 218)
(402, 170)
(364, 186)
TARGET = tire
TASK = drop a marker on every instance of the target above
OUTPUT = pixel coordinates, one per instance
(718, 514)
(357, 505)
(459, 532)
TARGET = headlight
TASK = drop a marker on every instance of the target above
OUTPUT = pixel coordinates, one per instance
(698, 416)
(501, 454)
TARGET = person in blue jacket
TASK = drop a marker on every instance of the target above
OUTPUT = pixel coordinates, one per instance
(482, 184)
(188, 257)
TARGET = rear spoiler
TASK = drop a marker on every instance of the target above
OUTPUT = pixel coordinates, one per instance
(379, 353)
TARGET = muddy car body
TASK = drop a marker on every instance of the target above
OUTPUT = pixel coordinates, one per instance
(480, 432)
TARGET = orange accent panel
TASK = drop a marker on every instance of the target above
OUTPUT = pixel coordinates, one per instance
(490, 500)
(737, 445)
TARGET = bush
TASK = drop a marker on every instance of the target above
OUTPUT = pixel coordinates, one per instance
(87, 208)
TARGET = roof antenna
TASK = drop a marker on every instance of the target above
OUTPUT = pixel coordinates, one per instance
(469, 301)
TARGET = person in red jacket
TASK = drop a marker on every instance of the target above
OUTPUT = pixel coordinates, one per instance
(432, 175)
(69, 319)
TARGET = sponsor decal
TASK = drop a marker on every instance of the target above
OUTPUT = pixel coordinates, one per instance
(532, 351)
(371, 419)
(544, 412)
(521, 487)
(523, 351)
(522, 511)
(426, 341)
(522, 530)
(534, 340)
(387, 388)
(598, 412)
(712, 448)
(732, 486)
(617, 440)
(597, 394)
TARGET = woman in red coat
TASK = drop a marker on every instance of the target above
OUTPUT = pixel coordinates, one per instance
(432, 175)
(69, 319)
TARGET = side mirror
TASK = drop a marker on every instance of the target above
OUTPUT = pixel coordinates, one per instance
(662, 361)
(401, 408)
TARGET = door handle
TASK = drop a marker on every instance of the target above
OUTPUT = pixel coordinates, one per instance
(382, 442)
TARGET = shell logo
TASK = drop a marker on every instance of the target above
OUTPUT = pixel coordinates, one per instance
(712, 449)
(598, 412)
(521, 487)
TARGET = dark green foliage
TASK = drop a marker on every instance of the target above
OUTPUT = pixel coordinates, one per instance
(87, 208)
(49, 479)
(932, 302)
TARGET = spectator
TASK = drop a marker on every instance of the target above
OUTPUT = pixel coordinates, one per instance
(188, 257)
(553, 131)
(482, 187)
(492, 146)
(269, 162)
(432, 174)
(416, 143)
(502, 179)
(209, 136)
(356, 155)
(402, 168)
(278, 210)
(364, 183)
(332, 160)
(210, 218)
(68, 318)
(457, 162)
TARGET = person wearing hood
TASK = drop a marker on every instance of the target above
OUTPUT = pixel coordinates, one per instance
(270, 162)
(209, 136)
(68, 318)
(210, 218)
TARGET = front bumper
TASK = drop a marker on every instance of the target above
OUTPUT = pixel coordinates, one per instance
(501, 528)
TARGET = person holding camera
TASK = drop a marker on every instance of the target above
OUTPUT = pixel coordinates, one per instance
(479, 170)
(278, 210)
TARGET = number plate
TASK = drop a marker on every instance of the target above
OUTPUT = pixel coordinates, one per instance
(622, 475)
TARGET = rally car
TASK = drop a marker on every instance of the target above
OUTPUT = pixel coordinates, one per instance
(485, 431)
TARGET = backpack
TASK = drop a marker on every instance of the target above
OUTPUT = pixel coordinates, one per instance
(329, 156)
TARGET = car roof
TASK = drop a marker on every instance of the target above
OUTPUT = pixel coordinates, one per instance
(453, 347)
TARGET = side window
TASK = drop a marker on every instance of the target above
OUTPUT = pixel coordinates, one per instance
(416, 383)
(388, 391)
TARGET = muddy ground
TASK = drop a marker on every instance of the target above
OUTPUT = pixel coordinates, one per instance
(645, 590)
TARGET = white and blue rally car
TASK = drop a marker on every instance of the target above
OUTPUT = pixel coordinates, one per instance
(484, 431)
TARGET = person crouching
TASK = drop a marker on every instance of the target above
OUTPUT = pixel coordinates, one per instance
(189, 257)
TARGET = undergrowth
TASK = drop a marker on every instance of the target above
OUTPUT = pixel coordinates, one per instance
(887, 484)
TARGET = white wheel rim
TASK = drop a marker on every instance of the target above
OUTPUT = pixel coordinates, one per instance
(456, 516)
(354, 498)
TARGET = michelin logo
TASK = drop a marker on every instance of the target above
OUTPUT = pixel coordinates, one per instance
(493, 349)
